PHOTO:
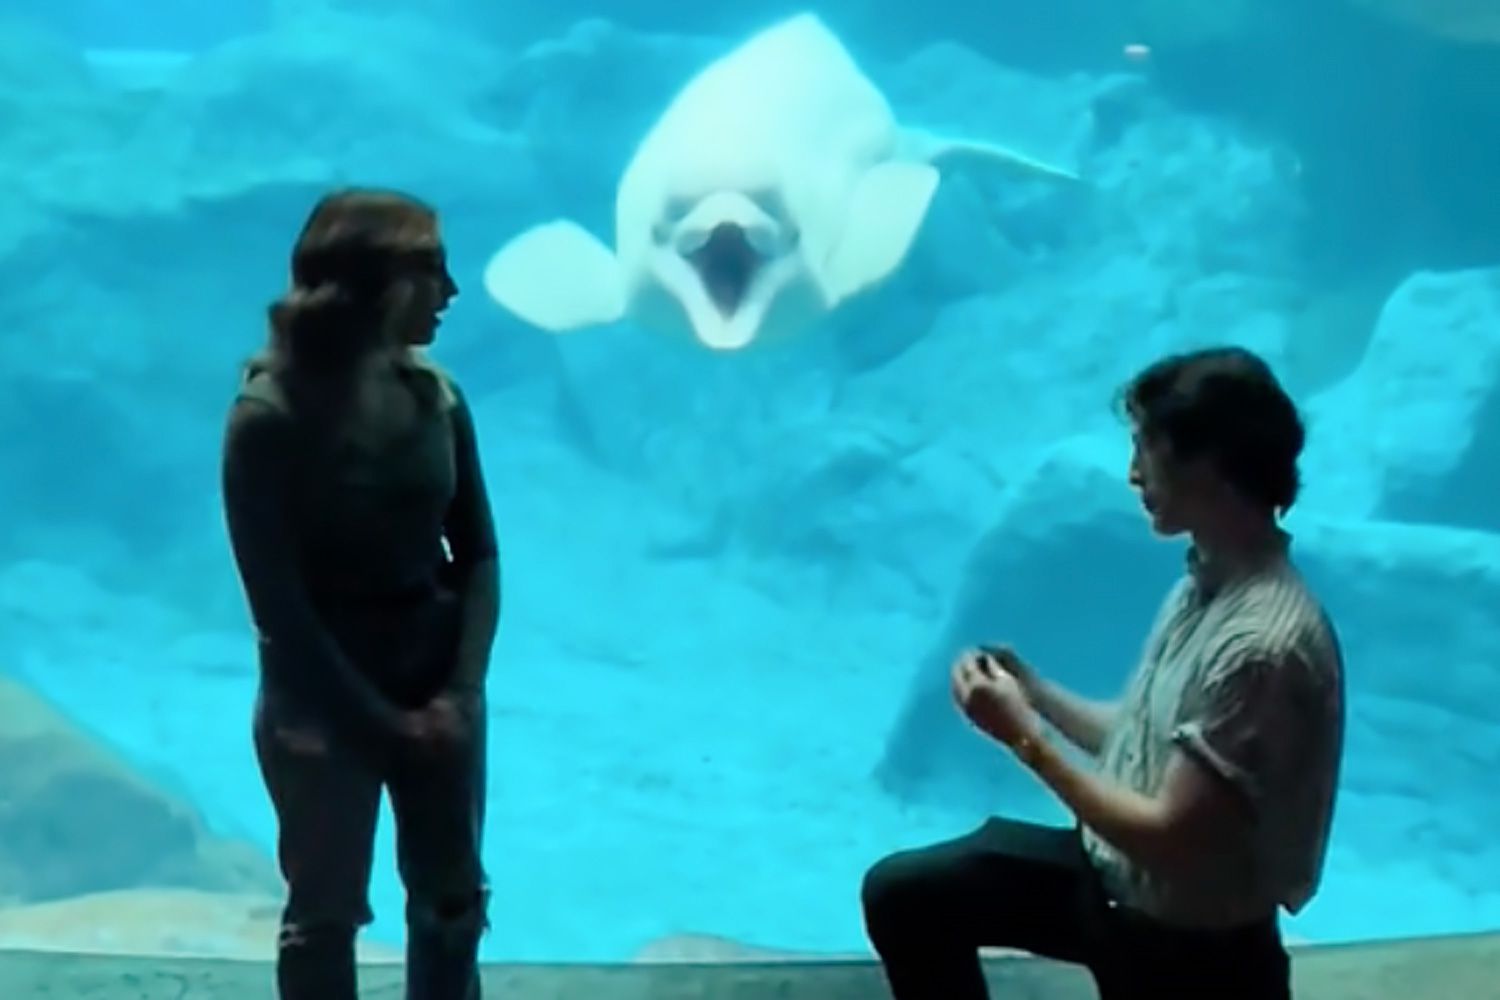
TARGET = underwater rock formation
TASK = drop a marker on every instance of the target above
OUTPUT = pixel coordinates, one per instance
(1408, 433)
(75, 820)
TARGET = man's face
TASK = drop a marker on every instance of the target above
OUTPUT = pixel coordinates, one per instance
(1173, 492)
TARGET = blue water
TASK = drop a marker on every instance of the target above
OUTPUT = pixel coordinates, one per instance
(732, 581)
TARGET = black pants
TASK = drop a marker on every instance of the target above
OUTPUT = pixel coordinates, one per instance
(327, 806)
(1016, 885)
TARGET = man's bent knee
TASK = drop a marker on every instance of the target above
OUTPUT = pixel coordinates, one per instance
(890, 899)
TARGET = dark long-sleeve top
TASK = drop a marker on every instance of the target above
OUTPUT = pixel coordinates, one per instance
(372, 576)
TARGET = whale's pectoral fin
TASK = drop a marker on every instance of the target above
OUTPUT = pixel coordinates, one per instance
(930, 147)
(557, 276)
(885, 213)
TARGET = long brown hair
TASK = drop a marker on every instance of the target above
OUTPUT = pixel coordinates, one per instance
(354, 244)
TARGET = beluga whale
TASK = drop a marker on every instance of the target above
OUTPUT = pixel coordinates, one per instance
(776, 185)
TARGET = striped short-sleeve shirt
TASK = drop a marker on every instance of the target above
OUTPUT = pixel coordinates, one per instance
(1244, 673)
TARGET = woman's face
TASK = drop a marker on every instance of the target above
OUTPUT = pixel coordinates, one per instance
(420, 291)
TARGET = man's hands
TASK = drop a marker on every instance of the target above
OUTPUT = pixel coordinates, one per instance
(990, 688)
(1010, 661)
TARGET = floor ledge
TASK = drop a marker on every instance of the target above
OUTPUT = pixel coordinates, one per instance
(1461, 967)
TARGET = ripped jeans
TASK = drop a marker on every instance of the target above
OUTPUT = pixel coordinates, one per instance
(327, 805)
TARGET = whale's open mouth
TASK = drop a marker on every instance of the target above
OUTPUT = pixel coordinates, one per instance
(726, 263)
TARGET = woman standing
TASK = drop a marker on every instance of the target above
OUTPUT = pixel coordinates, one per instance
(361, 530)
